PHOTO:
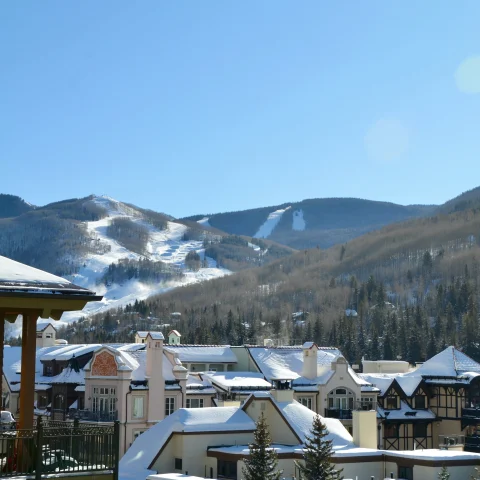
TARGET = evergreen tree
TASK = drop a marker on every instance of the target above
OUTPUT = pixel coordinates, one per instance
(443, 474)
(262, 462)
(317, 454)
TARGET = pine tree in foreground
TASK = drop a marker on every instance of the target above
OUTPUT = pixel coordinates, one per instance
(317, 454)
(443, 474)
(262, 463)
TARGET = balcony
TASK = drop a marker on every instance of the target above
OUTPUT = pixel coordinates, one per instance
(472, 443)
(90, 416)
(470, 417)
(338, 413)
(60, 448)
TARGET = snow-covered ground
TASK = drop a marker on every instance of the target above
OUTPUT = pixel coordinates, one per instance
(270, 223)
(298, 222)
(164, 245)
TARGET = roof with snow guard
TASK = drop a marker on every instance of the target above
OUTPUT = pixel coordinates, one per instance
(202, 353)
(18, 278)
(230, 381)
(448, 363)
(286, 363)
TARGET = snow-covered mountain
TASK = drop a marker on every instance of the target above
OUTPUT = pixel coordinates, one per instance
(315, 222)
(165, 245)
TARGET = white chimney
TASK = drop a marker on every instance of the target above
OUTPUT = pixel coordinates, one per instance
(310, 354)
(154, 373)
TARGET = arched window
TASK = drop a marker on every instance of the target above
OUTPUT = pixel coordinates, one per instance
(341, 399)
(59, 403)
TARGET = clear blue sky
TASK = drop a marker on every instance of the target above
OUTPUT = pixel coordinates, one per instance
(206, 106)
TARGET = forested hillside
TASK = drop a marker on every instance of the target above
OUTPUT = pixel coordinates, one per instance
(404, 291)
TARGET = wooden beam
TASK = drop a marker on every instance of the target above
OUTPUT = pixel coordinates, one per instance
(2, 334)
(27, 376)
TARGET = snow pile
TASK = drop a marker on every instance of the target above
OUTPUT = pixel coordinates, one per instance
(202, 353)
(270, 223)
(298, 222)
(229, 380)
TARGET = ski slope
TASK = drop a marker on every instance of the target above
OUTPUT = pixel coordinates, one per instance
(298, 222)
(270, 223)
(163, 245)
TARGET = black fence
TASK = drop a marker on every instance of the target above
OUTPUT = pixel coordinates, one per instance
(59, 447)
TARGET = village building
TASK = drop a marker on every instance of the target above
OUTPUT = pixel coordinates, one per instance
(214, 442)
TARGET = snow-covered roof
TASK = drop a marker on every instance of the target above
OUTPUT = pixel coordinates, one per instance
(142, 334)
(174, 332)
(17, 276)
(64, 353)
(406, 412)
(286, 363)
(301, 419)
(42, 325)
(203, 353)
(68, 375)
(435, 454)
(241, 380)
(156, 335)
(134, 464)
(448, 363)
(381, 380)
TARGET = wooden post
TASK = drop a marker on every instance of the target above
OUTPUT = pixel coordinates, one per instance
(2, 333)
(27, 377)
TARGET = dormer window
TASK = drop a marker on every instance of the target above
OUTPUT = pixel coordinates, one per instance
(391, 402)
(420, 402)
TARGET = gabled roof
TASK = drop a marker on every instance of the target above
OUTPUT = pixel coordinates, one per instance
(448, 363)
(156, 335)
(174, 332)
(41, 326)
(138, 459)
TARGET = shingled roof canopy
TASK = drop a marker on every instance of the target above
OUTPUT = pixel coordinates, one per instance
(33, 293)
(23, 287)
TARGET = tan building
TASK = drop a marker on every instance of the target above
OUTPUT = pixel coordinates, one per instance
(213, 443)
(433, 406)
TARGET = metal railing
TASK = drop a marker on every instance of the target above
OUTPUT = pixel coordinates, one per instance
(338, 413)
(472, 443)
(90, 416)
(69, 447)
(446, 441)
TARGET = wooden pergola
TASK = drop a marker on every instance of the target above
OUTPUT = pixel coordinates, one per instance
(34, 293)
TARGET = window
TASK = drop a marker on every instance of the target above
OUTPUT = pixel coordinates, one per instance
(48, 370)
(391, 402)
(42, 401)
(178, 464)
(169, 406)
(39, 335)
(104, 400)
(420, 401)
(194, 402)
(59, 403)
(368, 403)
(341, 399)
(391, 430)
(405, 473)
(137, 434)
(48, 335)
(420, 430)
(138, 407)
(307, 401)
(226, 469)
